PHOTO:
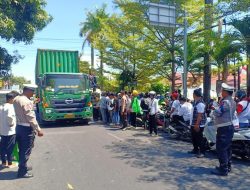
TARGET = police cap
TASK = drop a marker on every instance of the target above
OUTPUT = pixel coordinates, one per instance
(226, 87)
(32, 87)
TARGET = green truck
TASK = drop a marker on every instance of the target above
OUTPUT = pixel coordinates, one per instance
(63, 93)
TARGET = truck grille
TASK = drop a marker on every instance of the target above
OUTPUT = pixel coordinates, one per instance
(68, 105)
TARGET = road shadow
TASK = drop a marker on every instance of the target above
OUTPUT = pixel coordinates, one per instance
(8, 175)
(64, 124)
(167, 161)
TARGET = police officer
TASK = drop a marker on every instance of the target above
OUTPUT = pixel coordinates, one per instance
(26, 128)
(223, 120)
(198, 122)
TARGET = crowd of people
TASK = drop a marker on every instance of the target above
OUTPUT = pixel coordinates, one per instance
(228, 113)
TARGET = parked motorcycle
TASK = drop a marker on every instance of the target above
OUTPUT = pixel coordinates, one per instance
(181, 131)
(240, 143)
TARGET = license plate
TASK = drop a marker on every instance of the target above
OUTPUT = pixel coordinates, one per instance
(69, 116)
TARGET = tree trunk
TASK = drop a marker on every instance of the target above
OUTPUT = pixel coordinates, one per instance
(173, 62)
(225, 71)
(92, 58)
(248, 72)
(208, 20)
(101, 70)
(239, 78)
(173, 72)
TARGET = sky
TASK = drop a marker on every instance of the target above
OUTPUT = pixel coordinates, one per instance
(61, 33)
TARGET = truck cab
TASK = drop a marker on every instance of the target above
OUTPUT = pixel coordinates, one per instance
(64, 96)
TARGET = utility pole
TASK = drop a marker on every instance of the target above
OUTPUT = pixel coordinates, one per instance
(185, 70)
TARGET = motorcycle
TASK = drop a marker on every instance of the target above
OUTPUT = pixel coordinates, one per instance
(181, 131)
(240, 142)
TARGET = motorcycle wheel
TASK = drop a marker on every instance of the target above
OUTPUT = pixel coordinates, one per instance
(172, 134)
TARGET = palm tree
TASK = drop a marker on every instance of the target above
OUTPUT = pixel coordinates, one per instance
(90, 28)
(244, 27)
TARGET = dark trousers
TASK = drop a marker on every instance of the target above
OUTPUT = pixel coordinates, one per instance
(224, 146)
(124, 120)
(108, 116)
(152, 124)
(177, 118)
(133, 119)
(95, 114)
(7, 146)
(197, 140)
(25, 137)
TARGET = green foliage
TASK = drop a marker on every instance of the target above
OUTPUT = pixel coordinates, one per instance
(19, 21)
(159, 88)
(84, 67)
(136, 51)
(14, 80)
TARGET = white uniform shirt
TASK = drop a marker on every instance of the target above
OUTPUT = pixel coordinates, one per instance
(176, 105)
(185, 111)
(200, 109)
(7, 120)
(153, 106)
(245, 115)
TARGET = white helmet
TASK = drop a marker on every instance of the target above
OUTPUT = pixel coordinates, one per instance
(152, 93)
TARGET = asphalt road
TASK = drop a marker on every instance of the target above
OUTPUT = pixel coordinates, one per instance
(97, 158)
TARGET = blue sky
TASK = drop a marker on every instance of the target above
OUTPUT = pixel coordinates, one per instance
(61, 33)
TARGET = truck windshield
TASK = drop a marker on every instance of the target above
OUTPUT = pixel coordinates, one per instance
(66, 83)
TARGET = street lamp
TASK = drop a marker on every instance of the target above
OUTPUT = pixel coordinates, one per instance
(165, 16)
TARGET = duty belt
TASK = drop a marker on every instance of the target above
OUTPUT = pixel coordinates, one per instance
(24, 124)
(224, 124)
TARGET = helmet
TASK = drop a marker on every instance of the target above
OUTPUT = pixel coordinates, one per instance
(163, 103)
(135, 93)
(241, 94)
(152, 93)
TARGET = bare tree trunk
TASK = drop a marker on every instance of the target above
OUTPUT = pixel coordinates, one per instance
(92, 58)
(225, 71)
(173, 73)
(208, 20)
(248, 72)
(101, 70)
(173, 62)
(239, 78)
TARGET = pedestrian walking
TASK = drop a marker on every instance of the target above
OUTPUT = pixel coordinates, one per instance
(124, 110)
(198, 122)
(103, 108)
(111, 107)
(135, 108)
(153, 110)
(117, 109)
(7, 130)
(26, 128)
(223, 121)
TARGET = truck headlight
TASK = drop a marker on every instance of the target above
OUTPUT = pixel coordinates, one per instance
(48, 111)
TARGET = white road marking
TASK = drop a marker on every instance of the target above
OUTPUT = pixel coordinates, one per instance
(118, 138)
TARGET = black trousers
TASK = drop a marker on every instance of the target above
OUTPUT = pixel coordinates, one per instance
(95, 114)
(133, 119)
(197, 140)
(124, 120)
(177, 118)
(25, 137)
(224, 146)
(152, 124)
(7, 147)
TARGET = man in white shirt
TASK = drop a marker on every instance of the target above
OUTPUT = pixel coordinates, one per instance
(7, 130)
(153, 109)
(185, 110)
(175, 108)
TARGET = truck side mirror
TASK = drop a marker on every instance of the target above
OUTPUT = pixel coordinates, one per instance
(42, 81)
